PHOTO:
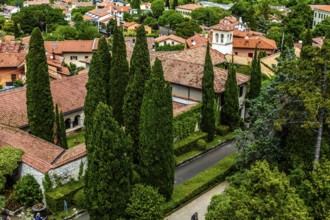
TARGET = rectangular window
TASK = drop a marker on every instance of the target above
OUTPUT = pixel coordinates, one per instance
(86, 57)
(236, 53)
(73, 58)
(13, 77)
(241, 91)
(250, 55)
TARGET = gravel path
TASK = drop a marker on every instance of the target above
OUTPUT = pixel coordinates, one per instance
(198, 205)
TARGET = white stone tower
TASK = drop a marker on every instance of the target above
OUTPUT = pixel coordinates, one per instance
(222, 37)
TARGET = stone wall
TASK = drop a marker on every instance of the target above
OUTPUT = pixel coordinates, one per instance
(26, 169)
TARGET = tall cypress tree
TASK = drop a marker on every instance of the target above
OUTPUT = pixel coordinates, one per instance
(156, 133)
(39, 100)
(62, 131)
(57, 140)
(255, 81)
(167, 4)
(139, 74)
(95, 94)
(107, 180)
(208, 119)
(174, 4)
(230, 109)
(119, 75)
(16, 30)
(104, 68)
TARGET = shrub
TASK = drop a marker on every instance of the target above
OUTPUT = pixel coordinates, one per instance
(79, 199)
(222, 129)
(201, 144)
(18, 83)
(145, 203)
(47, 183)
(81, 170)
(188, 144)
(55, 197)
(27, 191)
(1, 87)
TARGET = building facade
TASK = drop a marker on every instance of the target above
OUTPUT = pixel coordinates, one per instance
(321, 12)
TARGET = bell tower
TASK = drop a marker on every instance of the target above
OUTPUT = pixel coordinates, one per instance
(222, 37)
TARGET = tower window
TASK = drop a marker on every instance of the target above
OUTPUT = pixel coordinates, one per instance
(222, 38)
(216, 37)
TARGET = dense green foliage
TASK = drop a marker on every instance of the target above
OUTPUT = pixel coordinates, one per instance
(186, 123)
(104, 68)
(157, 8)
(135, 4)
(47, 182)
(139, 74)
(208, 120)
(230, 110)
(64, 141)
(40, 109)
(55, 197)
(189, 143)
(145, 203)
(322, 29)
(187, 29)
(60, 130)
(119, 75)
(259, 193)
(9, 160)
(108, 165)
(41, 16)
(169, 47)
(255, 81)
(208, 16)
(156, 133)
(170, 18)
(27, 191)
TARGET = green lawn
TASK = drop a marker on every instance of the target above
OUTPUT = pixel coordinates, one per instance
(75, 139)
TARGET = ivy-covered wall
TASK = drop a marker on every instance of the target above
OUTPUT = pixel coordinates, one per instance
(186, 123)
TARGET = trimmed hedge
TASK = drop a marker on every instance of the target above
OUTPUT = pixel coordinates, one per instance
(79, 199)
(188, 144)
(185, 123)
(55, 197)
(200, 183)
(222, 129)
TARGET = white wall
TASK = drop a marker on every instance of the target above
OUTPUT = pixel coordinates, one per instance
(26, 169)
(319, 16)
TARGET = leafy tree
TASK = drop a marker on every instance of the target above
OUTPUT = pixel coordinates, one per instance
(42, 16)
(64, 142)
(156, 133)
(230, 110)
(259, 193)
(207, 16)
(9, 161)
(119, 75)
(167, 4)
(60, 130)
(174, 4)
(77, 17)
(16, 30)
(150, 21)
(82, 10)
(65, 33)
(87, 31)
(136, 4)
(139, 74)
(255, 81)
(187, 29)
(276, 33)
(9, 26)
(171, 18)
(322, 29)
(157, 8)
(2, 21)
(108, 173)
(145, 203)
(208, 118)
(308, 41)
(40, 107)
(47, 182)
(27, 191)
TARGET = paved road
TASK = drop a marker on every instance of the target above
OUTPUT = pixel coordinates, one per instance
(190, 169)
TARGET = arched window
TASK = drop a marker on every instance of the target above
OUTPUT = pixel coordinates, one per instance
(76, 121)
(67, 123)
(216, 37)
(222, 38)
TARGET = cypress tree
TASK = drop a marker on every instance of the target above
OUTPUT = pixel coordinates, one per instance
(139, 74)
(255, 81)
(230, 109)
(39, 100)
(62, 131)
(16, 30)
(104, 68)
(208, 119)
(156, 133)
(107, 180)
(119, 75)
(135, 4)
(175, 3)
(95, 94)
(57, 127)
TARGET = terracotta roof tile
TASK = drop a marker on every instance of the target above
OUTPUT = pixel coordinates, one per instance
(12, 59)
(223, 27)
(128, 24)
(68, 93)
(66, 46)
(171, 37)
(196, 41)
(190, 7)
(71, 154)
(322, 8)
(254, 42)
(247, 33)
(179, 108)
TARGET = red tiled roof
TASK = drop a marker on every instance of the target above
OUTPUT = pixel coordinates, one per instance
(128, 24)
(230, 19)
(101, 12)
(39, 154)
(189, 7)
(68, 93)
(11, 47)
(12, 59)
(179, 108)
(196, 41)
(223, 27)
(322, 8)
(254, 42)
(242, 34)
(67, 46)
(170, 37)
